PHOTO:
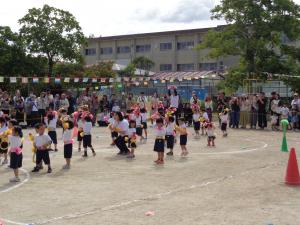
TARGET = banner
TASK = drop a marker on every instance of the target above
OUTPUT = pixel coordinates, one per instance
(67, 80)
(13, 80)
(24, 80)
(35, 80)
(57, 80)
(46, 80)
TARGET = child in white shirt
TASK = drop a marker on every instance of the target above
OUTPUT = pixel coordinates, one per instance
(68, 143)
(87, 135)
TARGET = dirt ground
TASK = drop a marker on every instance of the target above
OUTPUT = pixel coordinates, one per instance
(240, 182)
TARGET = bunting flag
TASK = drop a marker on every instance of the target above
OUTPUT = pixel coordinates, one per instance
(57, 80)
(76, 80)
(133, 79)
(111, 80)
(35, 80)
(46, 80)
(13, 80)
(103, 80)
(1, 79)
(145, 83)
(94, 80)
(85, 80)
(155, 81)
(67, 80)
(118, 79)
(126, 79)
(24, 80)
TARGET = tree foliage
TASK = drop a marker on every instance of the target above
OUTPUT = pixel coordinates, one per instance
(143, 63)
(102, 69)
(255, 31)
(53, 33)
(129, 70)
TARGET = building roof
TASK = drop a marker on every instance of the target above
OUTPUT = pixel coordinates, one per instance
(154, 34)
(186, 75)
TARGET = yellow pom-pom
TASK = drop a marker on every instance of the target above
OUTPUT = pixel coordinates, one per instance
(31, 138)
(81, 134)
(126, 139)
(66, 126)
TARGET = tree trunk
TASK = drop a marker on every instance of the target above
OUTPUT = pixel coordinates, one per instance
(50, 66)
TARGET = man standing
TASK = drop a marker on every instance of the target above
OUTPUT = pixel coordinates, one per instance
(262, 113)
(64, 102)
(296, 104)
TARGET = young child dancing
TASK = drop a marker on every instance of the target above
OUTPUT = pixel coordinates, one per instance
(144, 122)
(210, 129)
(4, 132)
(196, 120)
(42, 142)
(159, 145)
(224, 121)
(68, 142)
(170, 132)
(51, 123)
(132, 138)
(181, 129)
(87, 135)
(16, 156)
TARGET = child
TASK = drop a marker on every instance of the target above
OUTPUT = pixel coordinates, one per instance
(203, 120)
(196, 120)
(188, 114)
(68, 143)
(16, 156)
(159, 145)
(170, 126)
(210, 128)
(4, 132)
(144, 122)
(284, 112)
(224, 121)
(87, 136)
(183, 136)
(114, 134)
(294, 117)
(80, 130)
(42, 142)
(136, 115)
(132, 138)
(51, 122)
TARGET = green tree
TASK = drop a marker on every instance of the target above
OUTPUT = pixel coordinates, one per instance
(53, 33)
(129, 70)
(143, 63)
(254, 32)
(102, 69)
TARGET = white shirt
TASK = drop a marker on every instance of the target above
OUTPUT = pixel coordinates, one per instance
(174, 101)
(137, 119)
(87, 127)
(160, 132)
(41, 140)
(170, 128)
(67, 135)
(196, 117)
(284, 112)
(224, 118)
(14, 141)
(210, 132)
(205, 116)
(144, 117)
(52, 123)
(123, 126)
(131, 131)
(2, 129)
(80, 123)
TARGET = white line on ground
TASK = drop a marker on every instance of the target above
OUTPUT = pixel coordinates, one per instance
(18, 184)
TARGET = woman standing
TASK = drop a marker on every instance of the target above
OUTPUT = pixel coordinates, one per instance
(235, 107)
(253, 111)
(244, 114)
(209, 107)
(41, 105)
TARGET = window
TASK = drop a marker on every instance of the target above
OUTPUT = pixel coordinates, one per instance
(123, 49)
(208, 66)
(185, 67)
(186, 45)
(165, 46)
(143, 48)
(165, 67)
(90, 51)
(106, 51)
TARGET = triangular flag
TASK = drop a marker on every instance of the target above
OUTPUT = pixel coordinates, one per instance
(46, 80)
(126, 79)
(67, 80)
(137, 83)
(180, 79)
(133, 79)
(76, 80)
(141, 78)
(85, 80)
(145, 83)
(163, 81)
(24, 80)
(1, 79)
(103, 80)
(13, 80)
(155, 81)
(36, 80)
(111, 80)
(94, 80)
(118, 79)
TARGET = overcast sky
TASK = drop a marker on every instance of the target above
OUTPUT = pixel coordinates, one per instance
(115, 17)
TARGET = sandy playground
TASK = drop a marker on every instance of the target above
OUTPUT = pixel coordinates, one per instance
(240, 182)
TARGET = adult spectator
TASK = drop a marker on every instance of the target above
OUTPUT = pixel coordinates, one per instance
(208, 103)
(114, 104)
(129, 103)
(34, 115)
(104, 104)
(296, 106)
(221, 104)
(253, 111)
(123, 107)
(72, 103)
(50, 99)
(94, 104)
(19, 105)
(245, 110)
(5, 102)
(275, 106)
(56, 102)
(235, 111)
(194, 99)
(142, 100)
(64, 102)
(262, 112)
(123, 126)
(174, 100)
(42, 105)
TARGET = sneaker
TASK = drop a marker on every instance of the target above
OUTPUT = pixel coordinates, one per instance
(14, 180)
(170, 153)
(84, 155)
(66, 167)
(186, 153)
(130, 156)
(160, 162)
(49, 170)
(35, 169)
(5, 161)
(94, 154)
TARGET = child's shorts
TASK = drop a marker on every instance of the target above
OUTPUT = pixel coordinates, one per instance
(223, 126)
(211, 138)
(139, 131)
(3, 148)
(42, 155)
(170, 141)
(16, 160)
(68, 149)
(159, 145)
(53, 136)
(183, 139)
(145, 126)
(87, 141)
(197, 125)
(114, 135)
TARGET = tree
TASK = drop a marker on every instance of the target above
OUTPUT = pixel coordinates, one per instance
(52, 33)
(254, 31)
(129, 70)
(143, 63)
(102, 69)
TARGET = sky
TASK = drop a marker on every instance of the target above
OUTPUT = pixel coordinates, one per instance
(117, 17)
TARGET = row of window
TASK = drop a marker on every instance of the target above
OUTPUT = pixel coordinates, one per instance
(191, 67)
(141, 48)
